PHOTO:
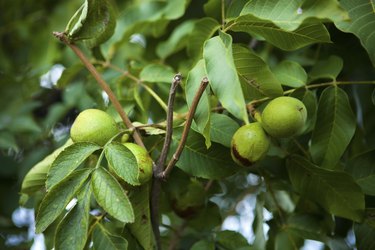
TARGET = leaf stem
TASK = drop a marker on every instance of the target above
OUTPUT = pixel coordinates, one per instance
(187, 126)
(138, 81)
(102, 84)
(313, 86)
(156, 97)
(222, 14)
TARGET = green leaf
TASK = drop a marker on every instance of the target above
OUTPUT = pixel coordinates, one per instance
(212, 8)
(256, 74)
(306, 34)
(157, 73)
(290, 74)
(71, 233)
(147, 18)
(361, 23)
(203, 30)
(197, 160)
(69, 74)
(36, 177)
(289, 15)
(102, 239)
(307, 227)
(110, 196)
(202, 113)
(141, 229)
(203, 245)
(177, 40)
(335, 129)
(68, 160)
(8, 141)
(222, 129)
(364, 235)
(94, 23)
(55, 201)
(362, 168)
(231, 240)
(122, 161)
(335, 191)
(326, 69)
(235, 8)
(222, 75)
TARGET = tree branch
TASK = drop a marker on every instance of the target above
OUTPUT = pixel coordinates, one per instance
(187, 126)
(157, 169)
(169, 127)
(102, 84)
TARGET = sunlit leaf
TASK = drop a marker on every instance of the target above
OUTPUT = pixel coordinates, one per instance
(290, 14)
(306, 34)
(361, 23)
(110, 196)
(255, 73)
(235, 8)
(157, 73)
(224, 81)
(335, 191)
(68, 160)
(72, 230)
(335, 128)
(203, 30)
(55, 201)
(202, 113)
(290, 74)
(102, 239)
(122, 161)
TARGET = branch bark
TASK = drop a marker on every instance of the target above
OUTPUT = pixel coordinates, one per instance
(187, 126)
(158, 168)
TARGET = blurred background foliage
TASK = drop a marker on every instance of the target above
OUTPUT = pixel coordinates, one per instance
(36, 114)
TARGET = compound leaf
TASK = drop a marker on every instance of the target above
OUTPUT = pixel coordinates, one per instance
(335, 191)
(110, 196)
(68, 160)
(335, 128)
(55, 201)
(122, 161)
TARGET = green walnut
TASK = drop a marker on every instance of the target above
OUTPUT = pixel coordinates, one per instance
(284, 117)
(93, 125)
(144, 161)
(249, 144)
